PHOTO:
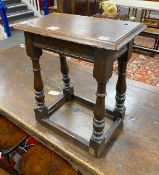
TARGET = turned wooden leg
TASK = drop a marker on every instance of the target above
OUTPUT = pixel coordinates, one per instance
(38, 84)
(99, 111)
(34, 54)
(68, 89)
(103, 66)
(121, 85)
(41, 109)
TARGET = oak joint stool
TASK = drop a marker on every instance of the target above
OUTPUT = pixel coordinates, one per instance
(93, 40)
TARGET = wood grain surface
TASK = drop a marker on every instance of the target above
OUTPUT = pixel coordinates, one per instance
(39, 160)
(10, 134)
(104, 33)
(135, 151)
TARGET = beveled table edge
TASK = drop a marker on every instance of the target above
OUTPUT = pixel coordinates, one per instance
(90, 42)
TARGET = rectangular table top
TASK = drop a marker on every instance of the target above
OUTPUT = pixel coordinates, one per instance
(140, 4)
(97, 32)
(135, 149)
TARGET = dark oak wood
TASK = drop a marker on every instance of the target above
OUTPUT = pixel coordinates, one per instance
(121, 85)
(94, 44)
(102, 72)
(82, 30)
(133, 150)
(34, 54)
(68, 90)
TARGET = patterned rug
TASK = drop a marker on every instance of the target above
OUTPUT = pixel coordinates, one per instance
(143, 67)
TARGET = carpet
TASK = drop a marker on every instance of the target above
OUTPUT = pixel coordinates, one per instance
(142, 66)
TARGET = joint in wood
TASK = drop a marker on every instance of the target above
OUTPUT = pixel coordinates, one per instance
(69, 93)
(41, 113)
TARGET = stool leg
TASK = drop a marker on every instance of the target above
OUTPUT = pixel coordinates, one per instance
(99, 111)
(102, 72)
(103, 66)
(41, 109)
(35, 53)
(68, 90)
(38, 84)
(121, 85)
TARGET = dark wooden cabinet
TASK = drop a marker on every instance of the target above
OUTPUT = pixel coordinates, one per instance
(80, 7)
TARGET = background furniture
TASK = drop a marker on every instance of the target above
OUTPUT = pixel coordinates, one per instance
(79, 7)
(149, 18)
(10, 138)
(147, 8)
(40, 160)
(139, 4)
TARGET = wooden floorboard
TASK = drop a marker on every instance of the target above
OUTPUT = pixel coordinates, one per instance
(3, 172)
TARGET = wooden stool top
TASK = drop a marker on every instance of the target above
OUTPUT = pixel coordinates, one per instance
(40, 160)
(84, 30)
(10, 134)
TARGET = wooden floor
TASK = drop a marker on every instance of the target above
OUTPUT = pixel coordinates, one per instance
(135, 148)
(3, 172)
